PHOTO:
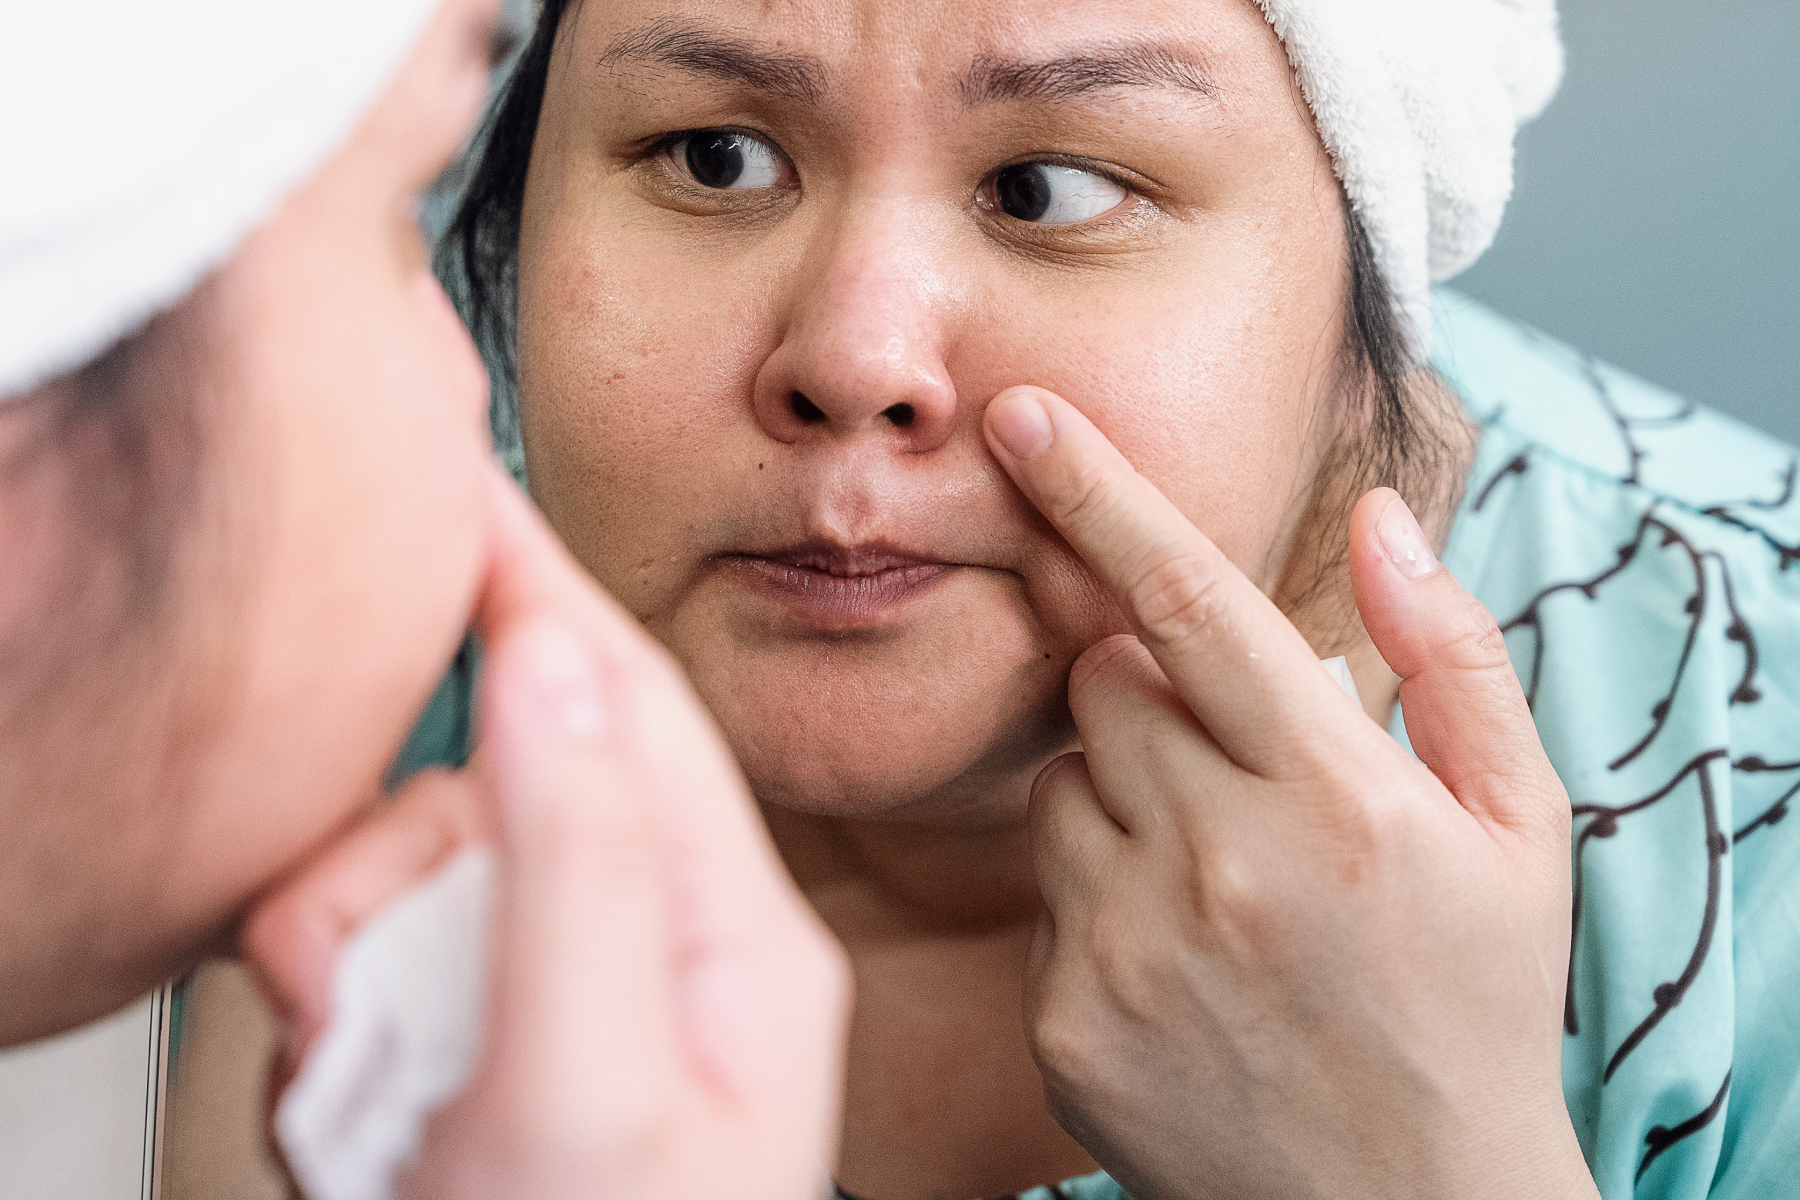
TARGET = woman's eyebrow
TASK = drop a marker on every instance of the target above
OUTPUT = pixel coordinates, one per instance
(990, 78)
(670, 42)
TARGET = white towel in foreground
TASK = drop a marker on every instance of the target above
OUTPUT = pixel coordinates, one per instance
(405, 1026)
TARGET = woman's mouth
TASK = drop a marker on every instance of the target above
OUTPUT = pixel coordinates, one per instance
(832, 587)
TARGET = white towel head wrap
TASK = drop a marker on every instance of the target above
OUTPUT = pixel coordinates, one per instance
(143, 139)
(1418, 101)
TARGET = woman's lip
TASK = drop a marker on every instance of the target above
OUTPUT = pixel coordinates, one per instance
(869, 558)
(841, 589)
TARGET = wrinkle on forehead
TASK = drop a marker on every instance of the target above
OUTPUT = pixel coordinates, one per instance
(690, 45)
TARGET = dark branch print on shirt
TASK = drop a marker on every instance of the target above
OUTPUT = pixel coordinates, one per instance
(1664, 525)
(1661, 1137)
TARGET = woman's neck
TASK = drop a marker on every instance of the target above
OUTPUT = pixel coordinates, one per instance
(942, 1096)
(881, 877)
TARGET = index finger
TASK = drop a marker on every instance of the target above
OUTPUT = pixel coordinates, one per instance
(292, 936)
(1239, 664)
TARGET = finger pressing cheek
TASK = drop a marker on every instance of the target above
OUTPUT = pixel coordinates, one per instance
(1237, 662)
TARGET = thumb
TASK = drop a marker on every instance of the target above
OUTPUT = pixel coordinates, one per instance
(1465, 714)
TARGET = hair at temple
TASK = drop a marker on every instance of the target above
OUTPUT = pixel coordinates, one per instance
(1402, 428)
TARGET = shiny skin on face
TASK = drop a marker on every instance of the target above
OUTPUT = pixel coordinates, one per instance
(776, 258)
(315, 587)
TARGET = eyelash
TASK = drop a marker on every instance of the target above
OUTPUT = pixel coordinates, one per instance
(658, 152)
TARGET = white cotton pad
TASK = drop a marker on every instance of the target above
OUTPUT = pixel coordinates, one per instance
(406, 1021)
(1340, 671)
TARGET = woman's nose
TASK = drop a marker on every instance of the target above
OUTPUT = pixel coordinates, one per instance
(862, 356)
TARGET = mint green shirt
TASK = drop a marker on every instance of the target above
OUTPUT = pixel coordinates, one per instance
(1639, 551)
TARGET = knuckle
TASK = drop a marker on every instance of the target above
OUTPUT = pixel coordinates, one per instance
(1134, 975)
(1087, 497)
(1060, 1026)
(1106, 666)
(1178, 598)
(1352, 839)
(1231, 903)
(1063, 775)
(1060, 1053)
(1471, 640)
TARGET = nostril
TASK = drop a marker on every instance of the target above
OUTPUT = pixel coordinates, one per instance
(901, 415)
(805, 409)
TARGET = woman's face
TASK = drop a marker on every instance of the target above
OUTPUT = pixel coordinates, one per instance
(241, 574)
(776, 260)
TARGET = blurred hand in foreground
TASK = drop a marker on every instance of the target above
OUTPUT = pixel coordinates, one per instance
(665, 1015)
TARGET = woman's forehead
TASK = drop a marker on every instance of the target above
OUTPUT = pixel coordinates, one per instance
(981, 50)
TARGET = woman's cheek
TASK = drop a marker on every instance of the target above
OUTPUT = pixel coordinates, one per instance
(630, 414)
(1199, 415)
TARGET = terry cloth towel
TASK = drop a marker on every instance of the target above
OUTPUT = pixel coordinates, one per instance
(143, 139)
(1417, 102)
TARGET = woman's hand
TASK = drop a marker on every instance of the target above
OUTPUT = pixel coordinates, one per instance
(1282, 958)
(665, 1014)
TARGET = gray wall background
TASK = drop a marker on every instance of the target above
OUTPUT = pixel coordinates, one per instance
(1656, 218)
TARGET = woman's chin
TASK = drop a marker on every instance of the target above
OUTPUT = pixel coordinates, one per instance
(927, 715)
(889, 746)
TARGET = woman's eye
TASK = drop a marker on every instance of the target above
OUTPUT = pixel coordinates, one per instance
(1052, 195)
(721, 159)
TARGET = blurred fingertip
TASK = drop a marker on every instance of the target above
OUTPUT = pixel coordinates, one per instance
(554, 680)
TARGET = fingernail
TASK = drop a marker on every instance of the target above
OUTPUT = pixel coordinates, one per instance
(559, 682)
(1405, 542)
(1021, 425)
